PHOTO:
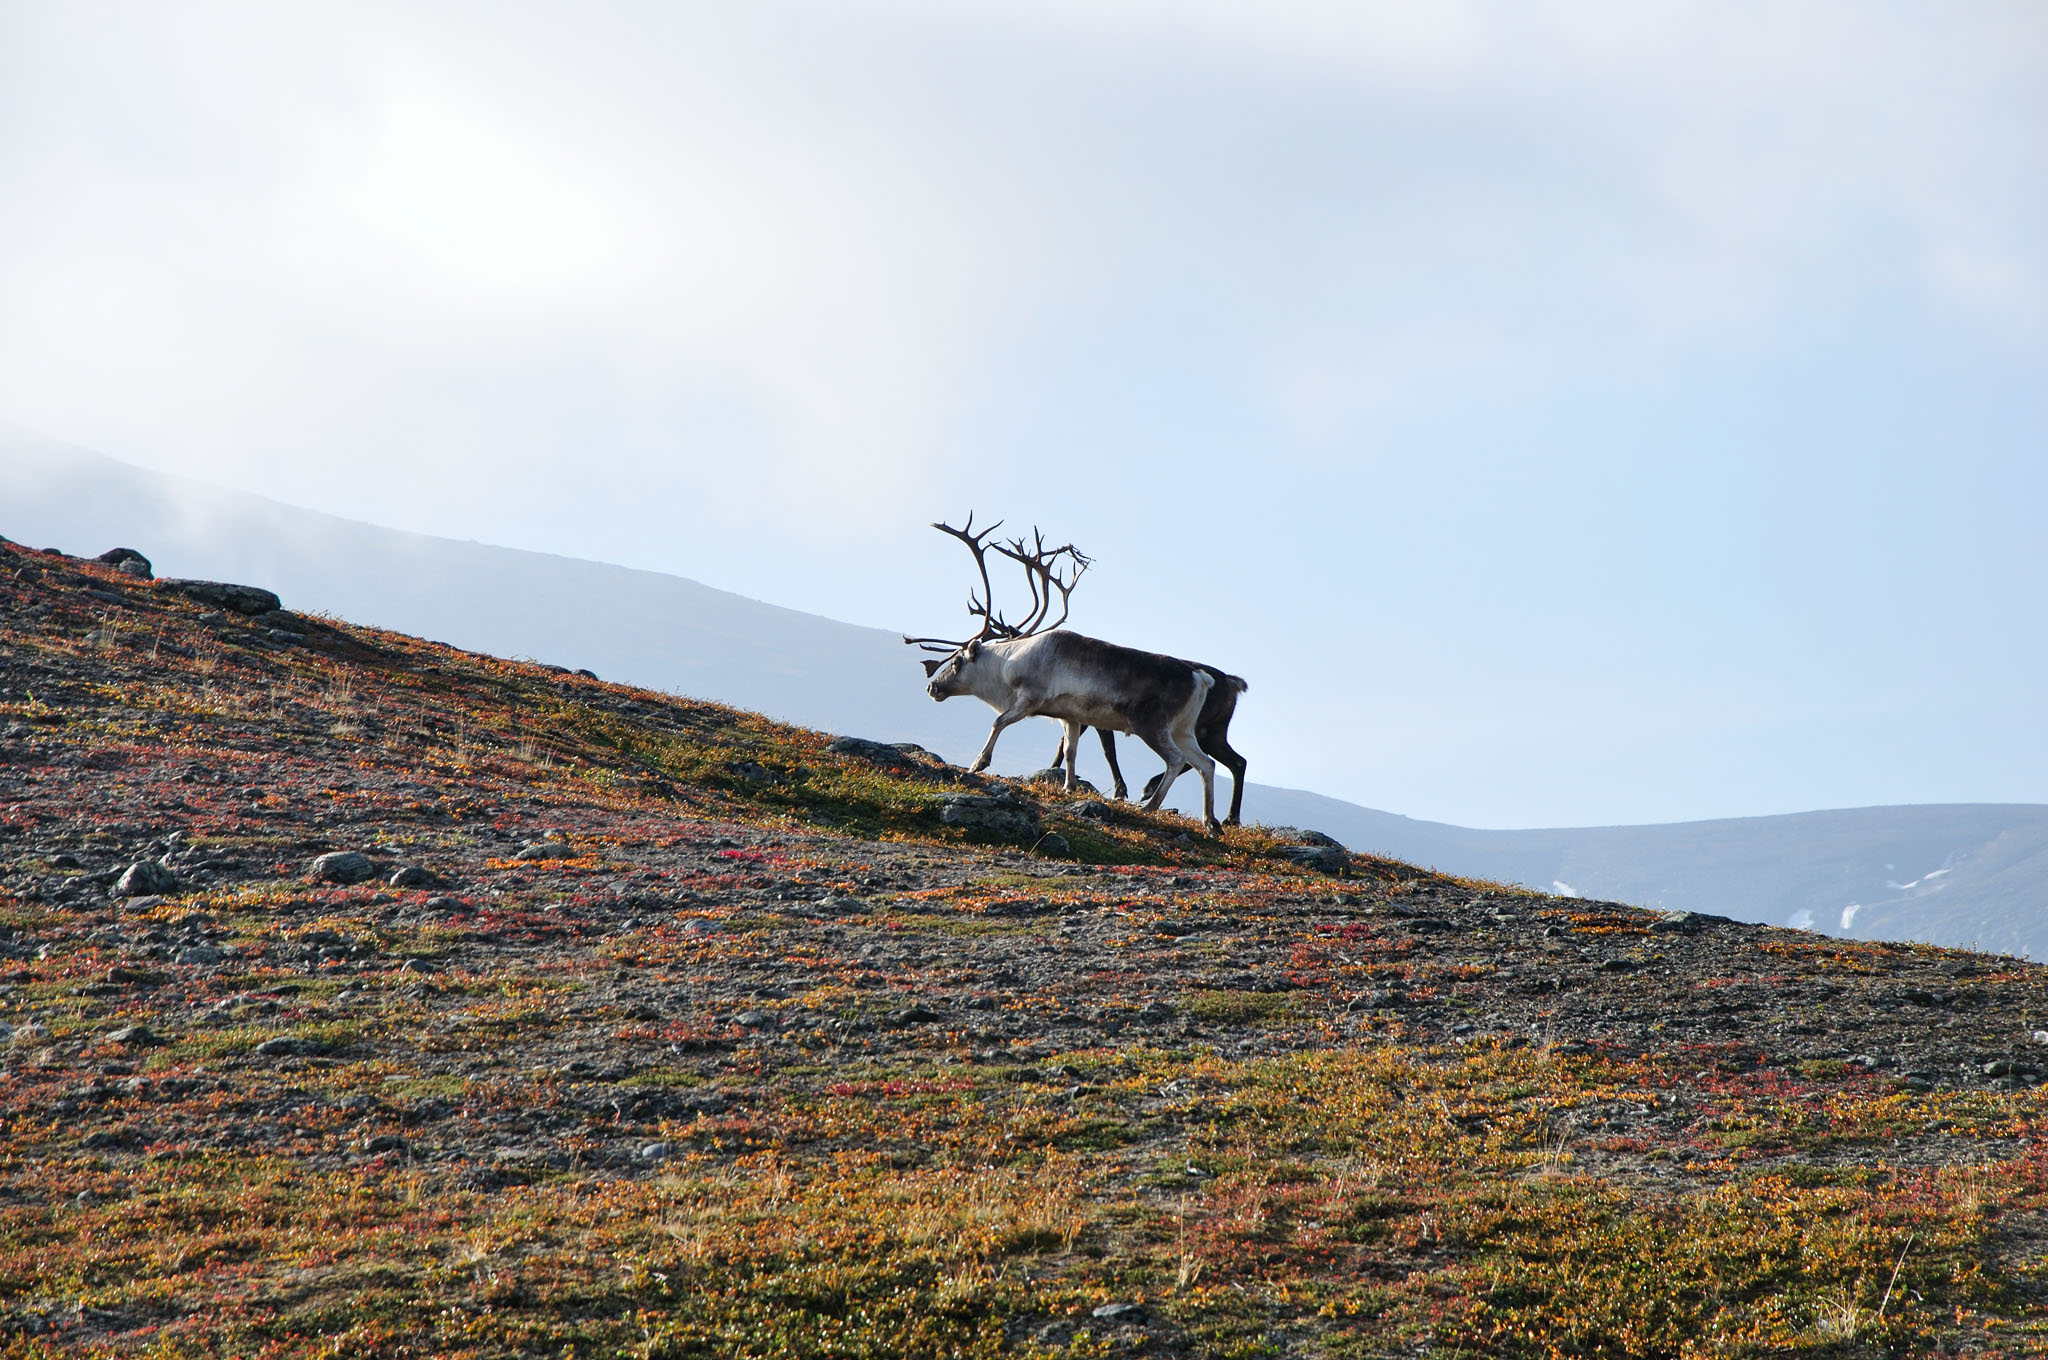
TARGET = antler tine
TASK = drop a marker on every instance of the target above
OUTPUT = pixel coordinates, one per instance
(1041, 569)
(992, 623)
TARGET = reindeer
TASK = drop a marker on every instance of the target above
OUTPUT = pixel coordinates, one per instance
(1038, 669)
(1212, 732)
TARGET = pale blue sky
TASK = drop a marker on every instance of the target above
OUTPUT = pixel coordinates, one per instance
(1561, 413)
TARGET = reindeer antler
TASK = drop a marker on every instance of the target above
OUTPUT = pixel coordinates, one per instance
(1042, 574)
(1041, 570)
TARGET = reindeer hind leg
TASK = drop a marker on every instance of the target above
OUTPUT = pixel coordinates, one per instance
(1162, 744)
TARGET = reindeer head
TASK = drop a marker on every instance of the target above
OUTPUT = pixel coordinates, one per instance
(953, 674)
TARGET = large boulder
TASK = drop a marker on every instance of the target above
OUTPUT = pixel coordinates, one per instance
(127, 561)
(1314, 850)
(224, 595)
(999, 815)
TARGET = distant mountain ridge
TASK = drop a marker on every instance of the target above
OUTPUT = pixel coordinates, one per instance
(1964, 874)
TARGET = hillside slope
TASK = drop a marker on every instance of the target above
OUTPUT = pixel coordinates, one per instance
(369, 997)
(1979, 873)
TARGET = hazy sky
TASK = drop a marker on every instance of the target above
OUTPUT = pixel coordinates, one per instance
(1561, 413)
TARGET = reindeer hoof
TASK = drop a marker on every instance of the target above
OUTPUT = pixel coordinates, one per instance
(1213, 827)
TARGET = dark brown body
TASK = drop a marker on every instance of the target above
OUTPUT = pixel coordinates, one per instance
(1212, 732)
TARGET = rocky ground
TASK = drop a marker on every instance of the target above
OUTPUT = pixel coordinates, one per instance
(365, 996)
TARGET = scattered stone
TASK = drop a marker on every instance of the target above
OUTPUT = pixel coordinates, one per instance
(340, 866)
(34, 1032)
(1092, 811)
(1678, 923)
(381, 1143)
(224, 595)
(1154, 1012)
(912, 1015)
(552, 847)
(411, 876)
(133, 1036)
(657, 1152)
(199, 953)
(145, 877)
(1121, 1313)
(1053, 846)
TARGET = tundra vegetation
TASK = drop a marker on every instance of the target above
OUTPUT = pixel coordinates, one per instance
(473, 1007)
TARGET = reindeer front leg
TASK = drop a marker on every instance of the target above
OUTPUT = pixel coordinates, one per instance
(1016, 712)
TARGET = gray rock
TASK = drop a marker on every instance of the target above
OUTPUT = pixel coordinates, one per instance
(548, 849)
(1155, 1011)
(133, 1036)
(199, 953)
(1323, 859)
(224, 595)
(289, 1046)
(999, 815)
(145, 877)
(340, 866)
(657, 1152)
(1121, 1312)
(411, 876)
(1053, 846)
(1298, 836)
(912, 1015)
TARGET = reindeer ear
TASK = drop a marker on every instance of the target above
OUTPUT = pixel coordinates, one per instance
(972, 649)
(931, 668)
